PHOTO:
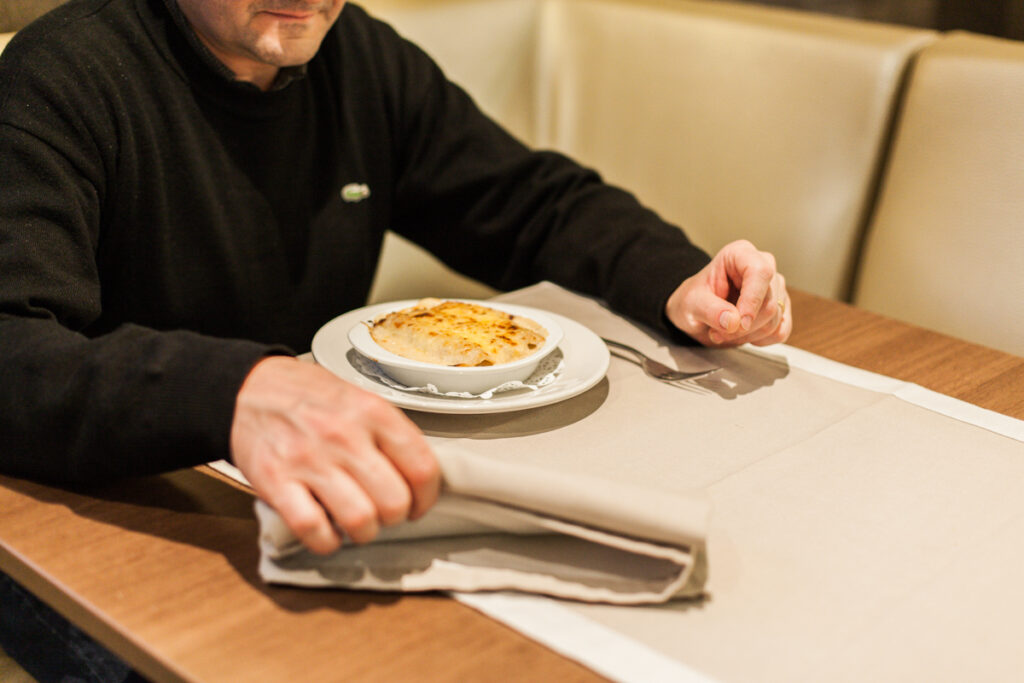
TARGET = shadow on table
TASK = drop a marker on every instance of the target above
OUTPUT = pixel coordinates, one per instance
(194, 509)
(544, 562)
(743, 371)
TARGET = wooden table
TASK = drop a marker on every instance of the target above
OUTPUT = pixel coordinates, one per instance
(163, 570)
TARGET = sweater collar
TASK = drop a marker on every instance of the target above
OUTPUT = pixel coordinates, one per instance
(285, 75)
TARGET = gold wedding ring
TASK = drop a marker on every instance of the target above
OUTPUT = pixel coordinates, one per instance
(781, 303)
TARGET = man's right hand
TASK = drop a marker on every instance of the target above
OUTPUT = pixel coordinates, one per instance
(329, 456)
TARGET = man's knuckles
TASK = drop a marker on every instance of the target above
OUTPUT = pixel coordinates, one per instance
(394, 508)
(359, 522)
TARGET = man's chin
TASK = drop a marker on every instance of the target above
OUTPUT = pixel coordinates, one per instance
(282, 43)
(287, 52)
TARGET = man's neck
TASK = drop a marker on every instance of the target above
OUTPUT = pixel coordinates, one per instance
(261, 75)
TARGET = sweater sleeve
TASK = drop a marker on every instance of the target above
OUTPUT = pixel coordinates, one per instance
(79, 403)
(509, 216)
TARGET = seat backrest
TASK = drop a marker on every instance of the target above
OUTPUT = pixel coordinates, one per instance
(732, 121)
(488, 47)
(945, 248)
(17, 14)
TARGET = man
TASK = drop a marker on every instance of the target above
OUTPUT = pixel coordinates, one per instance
(173, 222)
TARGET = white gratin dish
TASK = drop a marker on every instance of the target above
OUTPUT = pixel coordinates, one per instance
(472, 380)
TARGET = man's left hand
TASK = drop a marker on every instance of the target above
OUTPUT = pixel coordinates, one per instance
(738, 298)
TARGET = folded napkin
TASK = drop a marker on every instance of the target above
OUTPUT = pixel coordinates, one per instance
(506, 526)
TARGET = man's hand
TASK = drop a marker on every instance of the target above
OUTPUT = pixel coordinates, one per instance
(738, 298)
(328, 456)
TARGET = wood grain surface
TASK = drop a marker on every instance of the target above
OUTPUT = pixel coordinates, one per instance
(976, 374)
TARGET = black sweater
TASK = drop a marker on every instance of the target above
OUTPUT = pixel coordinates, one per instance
(162, 228)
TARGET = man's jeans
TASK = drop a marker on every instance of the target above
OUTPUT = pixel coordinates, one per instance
(49, 647)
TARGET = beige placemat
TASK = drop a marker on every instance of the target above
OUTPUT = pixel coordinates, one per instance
(864, 529)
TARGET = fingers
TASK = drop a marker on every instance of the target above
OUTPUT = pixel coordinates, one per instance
(777, 328)
(332, 459)
(351, 506)
(772, 324)
(714, 314)
(304, 515)
(405, 482)
(757, 274)
(417, 464)
(738, 298)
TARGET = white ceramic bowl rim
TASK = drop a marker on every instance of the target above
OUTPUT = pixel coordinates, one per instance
(363, 342)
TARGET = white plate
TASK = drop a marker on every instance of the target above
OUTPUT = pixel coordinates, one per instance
(585, 355)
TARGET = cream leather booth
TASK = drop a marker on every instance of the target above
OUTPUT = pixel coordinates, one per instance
(730, 120)
(733, 121)
(946, 246)
(488, 47)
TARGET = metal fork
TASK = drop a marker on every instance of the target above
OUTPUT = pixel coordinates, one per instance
(658, 370)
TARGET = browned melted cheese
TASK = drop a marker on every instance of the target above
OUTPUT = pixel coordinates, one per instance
(457, 333)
